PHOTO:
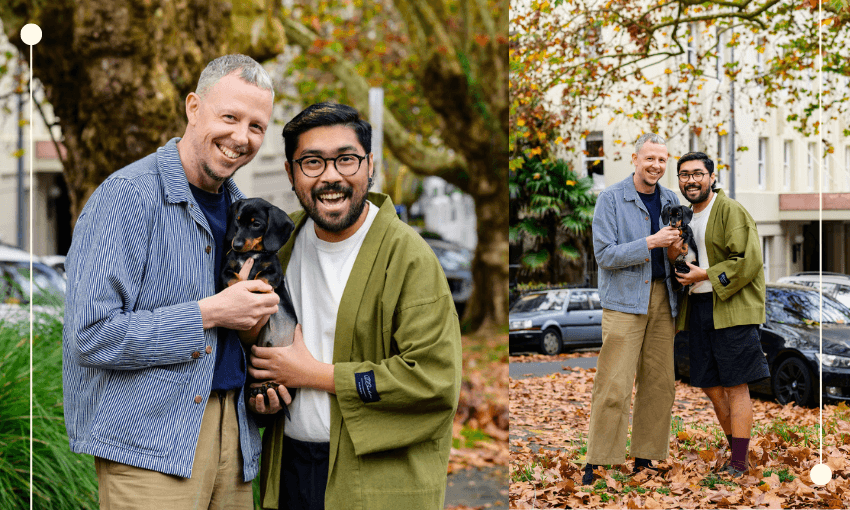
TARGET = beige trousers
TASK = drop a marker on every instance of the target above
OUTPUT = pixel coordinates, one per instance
(216, 481)
(632, 345)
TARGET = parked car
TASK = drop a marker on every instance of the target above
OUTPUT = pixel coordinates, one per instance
(790, 339)
(456, 262)
(835, 285)
(552, 320)
(57, 262)
(48, 285)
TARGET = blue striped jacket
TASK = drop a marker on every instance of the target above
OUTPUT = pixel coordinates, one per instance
(620, 228)
(136, 373)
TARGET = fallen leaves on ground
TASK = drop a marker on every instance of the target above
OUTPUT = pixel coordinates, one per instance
(532, 357)
(480, 435)
(549, 420)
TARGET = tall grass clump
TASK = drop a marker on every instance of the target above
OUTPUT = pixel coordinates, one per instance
(61, 479)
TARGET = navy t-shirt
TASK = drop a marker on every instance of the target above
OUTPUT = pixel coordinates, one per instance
(230, 369)
(652, 201)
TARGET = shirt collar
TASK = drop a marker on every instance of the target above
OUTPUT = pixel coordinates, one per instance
(174, 175)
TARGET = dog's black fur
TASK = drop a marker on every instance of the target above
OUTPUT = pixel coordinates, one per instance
(679, 216)
(257, 229)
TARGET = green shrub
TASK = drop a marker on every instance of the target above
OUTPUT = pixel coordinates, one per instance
(61, 479)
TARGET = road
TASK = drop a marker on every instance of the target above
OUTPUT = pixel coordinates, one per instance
(537, 369)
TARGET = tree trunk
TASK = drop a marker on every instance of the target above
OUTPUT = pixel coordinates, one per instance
(487, 309)
(117, 73)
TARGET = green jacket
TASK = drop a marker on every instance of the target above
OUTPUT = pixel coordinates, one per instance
(397, 319)
(735, 266)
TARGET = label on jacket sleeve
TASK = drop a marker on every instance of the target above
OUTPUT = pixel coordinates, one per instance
(723, 279)
(365, 383)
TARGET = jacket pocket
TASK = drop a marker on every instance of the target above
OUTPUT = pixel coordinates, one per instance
(137, 410)
(623, 287)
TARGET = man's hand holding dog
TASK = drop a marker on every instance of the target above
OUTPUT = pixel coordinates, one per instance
(240, 306)
(676, 249)
(663, 238)
(697, 274)
(292, 366)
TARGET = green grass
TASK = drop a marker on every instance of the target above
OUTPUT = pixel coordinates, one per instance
(471, 438)
(712, 480)
(524, 474)
(784, 474)
(61, 479)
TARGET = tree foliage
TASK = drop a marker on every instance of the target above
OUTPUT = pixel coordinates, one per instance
(117, 73)
(551, 209)
(665, 66)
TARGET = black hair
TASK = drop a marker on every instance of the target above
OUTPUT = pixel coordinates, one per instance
(325, 114)
(698, 156)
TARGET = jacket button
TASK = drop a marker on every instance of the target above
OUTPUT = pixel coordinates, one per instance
(647, 218)
(646, 281)
(209, 249)
(198, 399)
(647, 260)
(196, 355)
(209, 349)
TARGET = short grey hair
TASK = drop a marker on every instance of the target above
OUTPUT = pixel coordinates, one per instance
(252, 72)
(648, 137)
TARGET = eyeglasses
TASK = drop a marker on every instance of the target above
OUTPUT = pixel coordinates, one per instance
(345, 164)
(698, 176)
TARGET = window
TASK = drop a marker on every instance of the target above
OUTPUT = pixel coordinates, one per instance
(761, 46)
(693, 142)
(810, 164)
(720, 36)
(786, 164)
(722, 158)
(847, 168)
(692, 44)
(762, 163)
(594, 159)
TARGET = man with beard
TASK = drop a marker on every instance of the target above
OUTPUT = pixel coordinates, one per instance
(152, 369)
(638, 306)
(378, 366)
(725, 304)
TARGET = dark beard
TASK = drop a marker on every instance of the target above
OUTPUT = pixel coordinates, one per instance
(702, 197)
(348, 220)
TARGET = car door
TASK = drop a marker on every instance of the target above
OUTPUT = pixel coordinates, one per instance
(579, 318)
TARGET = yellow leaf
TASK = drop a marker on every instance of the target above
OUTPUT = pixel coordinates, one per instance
(722, 132)
(684, 436)
(520, 122)
(668, 71)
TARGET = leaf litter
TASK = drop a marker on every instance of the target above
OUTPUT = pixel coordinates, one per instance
(548, 437)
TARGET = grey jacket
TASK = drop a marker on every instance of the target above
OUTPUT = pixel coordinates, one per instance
(620, 227)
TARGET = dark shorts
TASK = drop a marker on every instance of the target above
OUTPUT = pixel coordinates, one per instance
(722, 357)
(303, 475)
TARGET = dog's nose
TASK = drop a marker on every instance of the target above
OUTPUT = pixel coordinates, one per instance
(238, 244)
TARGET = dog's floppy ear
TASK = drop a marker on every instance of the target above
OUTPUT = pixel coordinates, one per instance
(687, 214)
(279, 229)
(665, 214)
(230, 233)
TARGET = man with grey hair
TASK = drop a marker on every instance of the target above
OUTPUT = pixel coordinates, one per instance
(152, 369)
(638, 306)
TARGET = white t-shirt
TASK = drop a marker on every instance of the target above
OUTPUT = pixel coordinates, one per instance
(698, 224)
(316, 277)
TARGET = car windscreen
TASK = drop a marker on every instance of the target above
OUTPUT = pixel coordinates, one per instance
(540, 302)
(789, 306)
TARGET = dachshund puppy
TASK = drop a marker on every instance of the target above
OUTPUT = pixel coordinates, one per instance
(257, 230)
(679, 216)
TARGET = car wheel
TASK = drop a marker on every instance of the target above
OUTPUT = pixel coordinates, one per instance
(550, 343)
(792, 382)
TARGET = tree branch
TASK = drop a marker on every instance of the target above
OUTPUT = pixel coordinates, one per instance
(401, 142)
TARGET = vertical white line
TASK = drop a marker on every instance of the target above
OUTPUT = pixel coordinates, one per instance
(32, 145)
(820, 222)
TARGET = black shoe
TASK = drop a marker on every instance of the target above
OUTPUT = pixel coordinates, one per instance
(641, 464)
(733, 471)
(587, 479)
